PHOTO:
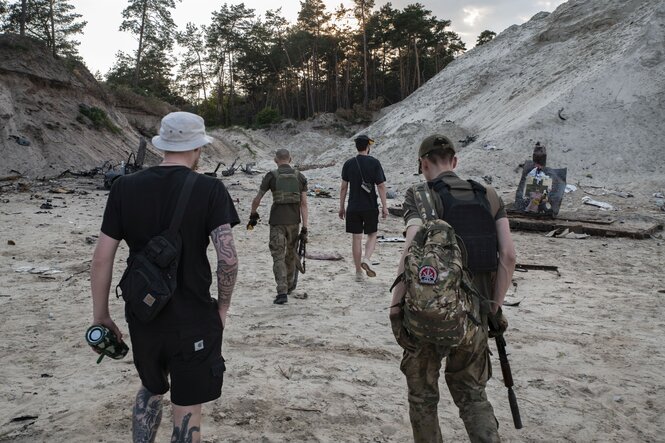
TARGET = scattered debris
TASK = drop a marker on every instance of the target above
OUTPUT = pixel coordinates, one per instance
(61, 191)
(106, 166)
(11, 177)
(561, 116)
(20, 140)
(284, 373)
(126, 168)
(491, 147)
(390, 194)
(570, 188)
(566, 233)
(231, 169)
(248, 168)
(319, 191)
(396, 210)
(383, 239)
(525, 267)
(214, 173)
(46, 205)
(334, 256)
(21, 418)
(11, 242)
(602, 205)
(44, 270)
(487, 179)
(468, 140)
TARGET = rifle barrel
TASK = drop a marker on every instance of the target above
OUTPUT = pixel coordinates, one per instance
(514, 409)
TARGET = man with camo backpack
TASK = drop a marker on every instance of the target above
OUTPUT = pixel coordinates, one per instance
(289, 207)
(439, 313)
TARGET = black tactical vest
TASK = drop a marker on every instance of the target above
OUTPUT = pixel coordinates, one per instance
(473, 222)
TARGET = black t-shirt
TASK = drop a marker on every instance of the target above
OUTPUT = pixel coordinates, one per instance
(372, 172)
(141, 205)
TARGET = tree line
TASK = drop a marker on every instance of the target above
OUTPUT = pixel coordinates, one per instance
(245, 68)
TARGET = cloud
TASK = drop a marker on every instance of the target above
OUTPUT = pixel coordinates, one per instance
(471, 15)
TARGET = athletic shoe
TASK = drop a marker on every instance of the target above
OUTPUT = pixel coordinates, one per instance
(365, 264)
(281, 299)
(360, 277)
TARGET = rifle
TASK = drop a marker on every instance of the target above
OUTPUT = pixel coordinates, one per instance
(300, 262)
(507, 374)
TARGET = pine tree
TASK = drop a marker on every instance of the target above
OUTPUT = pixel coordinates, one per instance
(151, 22)
(485, 37)
(52, 21)
(191, 68)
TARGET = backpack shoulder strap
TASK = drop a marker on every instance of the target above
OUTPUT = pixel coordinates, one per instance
(477, 187)
(424, 202)
(176, 221)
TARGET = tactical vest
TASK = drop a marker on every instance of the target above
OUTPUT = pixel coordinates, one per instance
(473, 222)
(287, 187)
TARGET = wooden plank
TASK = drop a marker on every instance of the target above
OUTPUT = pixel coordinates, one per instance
(634, 226)
(580, 215)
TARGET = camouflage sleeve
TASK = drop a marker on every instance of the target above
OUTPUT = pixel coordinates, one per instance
(411, 215)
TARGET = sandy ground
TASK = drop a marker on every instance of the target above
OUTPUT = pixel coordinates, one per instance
(585, 346)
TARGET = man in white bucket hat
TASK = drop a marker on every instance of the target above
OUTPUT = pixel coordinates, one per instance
(183, 343)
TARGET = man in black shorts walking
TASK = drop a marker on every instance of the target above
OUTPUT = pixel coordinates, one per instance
(184, 341)
(361, 177)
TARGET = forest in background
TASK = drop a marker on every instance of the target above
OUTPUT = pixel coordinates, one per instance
(248, 69)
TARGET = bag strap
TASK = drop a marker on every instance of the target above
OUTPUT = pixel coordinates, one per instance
(176, 221)
(360, 169)
(424, 202)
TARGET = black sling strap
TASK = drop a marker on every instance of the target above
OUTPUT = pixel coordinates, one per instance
(179, 213)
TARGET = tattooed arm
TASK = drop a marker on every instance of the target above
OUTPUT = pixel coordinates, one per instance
(227, 267)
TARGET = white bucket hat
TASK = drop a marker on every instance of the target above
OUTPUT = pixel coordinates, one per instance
(180, 132)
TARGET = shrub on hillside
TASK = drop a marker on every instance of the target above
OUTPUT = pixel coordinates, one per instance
(267, 116)
(97, 117)
(127, 98)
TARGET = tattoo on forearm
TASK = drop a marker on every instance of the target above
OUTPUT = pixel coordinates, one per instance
(227, 263)
(185, 434)
(147, 415)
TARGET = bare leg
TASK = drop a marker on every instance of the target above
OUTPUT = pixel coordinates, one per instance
(357, 249)
(370, 244)
(186, 424)
(146, 416)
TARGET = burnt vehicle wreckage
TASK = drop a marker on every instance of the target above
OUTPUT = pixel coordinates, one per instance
(135, 162)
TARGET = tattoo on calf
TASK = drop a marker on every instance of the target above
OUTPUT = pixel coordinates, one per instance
(146, 416)
(185, 434)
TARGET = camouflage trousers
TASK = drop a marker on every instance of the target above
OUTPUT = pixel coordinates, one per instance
(467, 371)
(283, 240)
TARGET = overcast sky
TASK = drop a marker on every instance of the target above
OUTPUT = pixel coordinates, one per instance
(102, 40)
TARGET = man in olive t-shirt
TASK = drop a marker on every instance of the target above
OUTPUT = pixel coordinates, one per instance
(289, 206)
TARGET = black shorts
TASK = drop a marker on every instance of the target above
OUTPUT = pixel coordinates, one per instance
(192, 358)
(358, 222)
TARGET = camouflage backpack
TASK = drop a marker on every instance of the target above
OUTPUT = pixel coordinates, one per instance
(441, 305)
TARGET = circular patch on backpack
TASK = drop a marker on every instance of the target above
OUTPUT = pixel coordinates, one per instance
(427, 275)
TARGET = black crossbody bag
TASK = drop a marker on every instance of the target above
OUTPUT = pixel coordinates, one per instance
(150, 279)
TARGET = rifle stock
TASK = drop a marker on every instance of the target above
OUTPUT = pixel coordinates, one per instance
(507, 374)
